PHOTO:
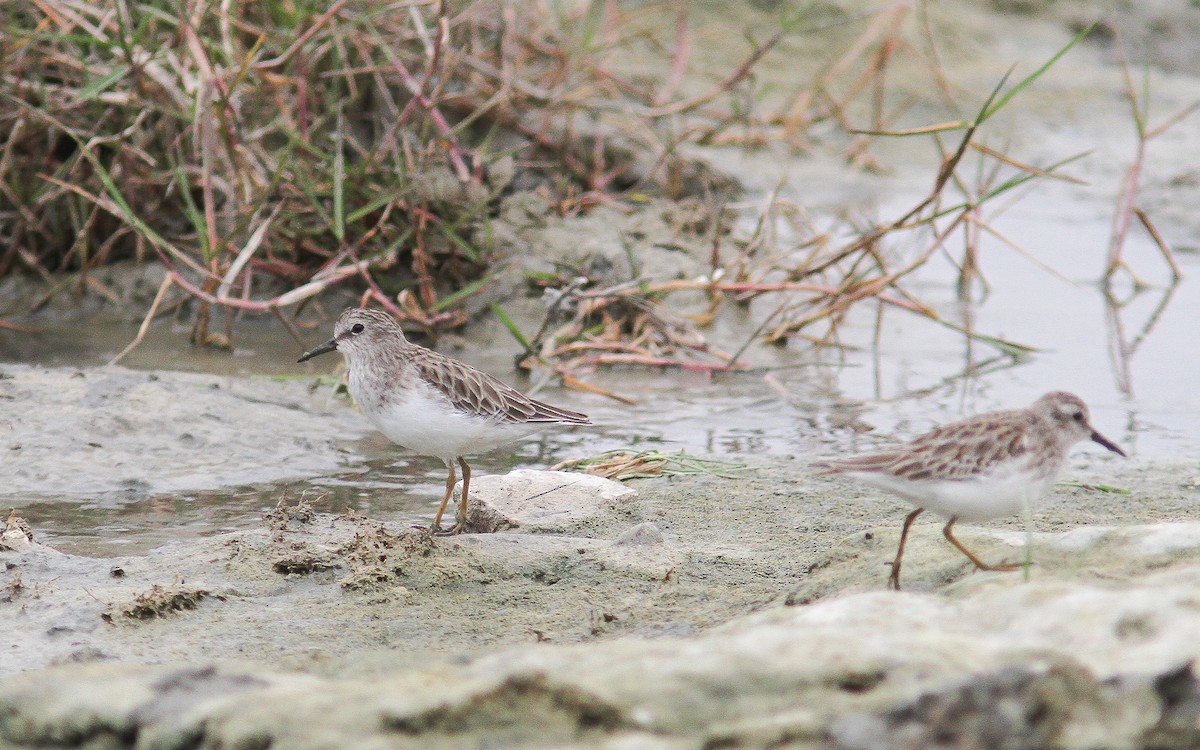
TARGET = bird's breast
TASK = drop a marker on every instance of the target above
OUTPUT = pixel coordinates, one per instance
(419, 417)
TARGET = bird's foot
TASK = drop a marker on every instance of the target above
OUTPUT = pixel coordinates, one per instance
(1000, 567)
(894, 578)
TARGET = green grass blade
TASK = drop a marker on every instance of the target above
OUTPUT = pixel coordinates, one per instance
(190, 209)
(1097, 487)
(464, 247)
(1011, 348)
(511, 326)
(924, 130)
(339, 178)
(459, 295)
(992, 109)
(373, 205)
(90, 92)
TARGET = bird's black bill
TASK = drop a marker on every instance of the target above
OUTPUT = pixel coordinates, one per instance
(330, 346)
(1097, 437)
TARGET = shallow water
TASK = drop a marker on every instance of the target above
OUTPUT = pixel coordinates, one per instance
(1132, 360)
(827, 402)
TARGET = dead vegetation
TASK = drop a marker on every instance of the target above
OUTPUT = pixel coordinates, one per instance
(283, 514)
(621, 465)
(159, 602)
(264, 154)
(376, 558)
(16, 533)
(303, 562)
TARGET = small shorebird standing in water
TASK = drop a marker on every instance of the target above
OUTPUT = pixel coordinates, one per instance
(983, 467)
(429, 403)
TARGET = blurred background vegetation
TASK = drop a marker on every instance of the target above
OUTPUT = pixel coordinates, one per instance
(265, 152)
(264, 146)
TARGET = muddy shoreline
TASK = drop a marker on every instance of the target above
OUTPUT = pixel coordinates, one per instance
(697, 611)
(631, 616)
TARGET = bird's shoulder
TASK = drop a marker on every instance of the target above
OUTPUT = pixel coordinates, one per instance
(470, 389)
(968, 448)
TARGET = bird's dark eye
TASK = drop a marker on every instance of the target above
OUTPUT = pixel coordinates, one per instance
(1078, 416)
(356, 328)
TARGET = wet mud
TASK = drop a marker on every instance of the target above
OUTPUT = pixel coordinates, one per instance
(692, 611)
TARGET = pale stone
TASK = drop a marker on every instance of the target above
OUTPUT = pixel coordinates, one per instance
(643, 535)
(1057, 662)
(544, 501)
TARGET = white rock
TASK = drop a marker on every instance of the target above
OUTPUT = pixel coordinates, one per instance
(543, 501)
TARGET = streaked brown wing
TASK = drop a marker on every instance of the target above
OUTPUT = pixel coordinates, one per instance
(475, 391)
(865, 462)
(965, 449)
(953, 452)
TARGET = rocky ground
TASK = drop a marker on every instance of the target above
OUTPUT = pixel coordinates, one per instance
(685, 612)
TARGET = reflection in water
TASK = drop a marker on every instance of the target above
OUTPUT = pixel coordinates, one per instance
(114, 525)
(110, 526)
(1120, 348)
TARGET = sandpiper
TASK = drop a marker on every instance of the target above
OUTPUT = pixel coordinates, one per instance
(429, 403)
(984, 467)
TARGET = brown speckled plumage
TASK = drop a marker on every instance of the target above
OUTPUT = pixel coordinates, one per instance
(961, 450)
(392, 360)
(476, 392)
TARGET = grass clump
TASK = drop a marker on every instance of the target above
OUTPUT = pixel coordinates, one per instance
(266, 152)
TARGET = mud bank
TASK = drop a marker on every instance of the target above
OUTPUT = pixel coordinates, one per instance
(680, 611)
(675, 612)
(97, 431)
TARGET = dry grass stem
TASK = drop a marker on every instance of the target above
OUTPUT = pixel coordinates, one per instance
(265, 154)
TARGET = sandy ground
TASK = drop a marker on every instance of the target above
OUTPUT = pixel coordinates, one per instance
(680, 611)
(572, 623)
(696, 612)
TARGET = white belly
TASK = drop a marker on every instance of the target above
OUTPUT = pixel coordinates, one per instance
(432, 428)
(981, 499)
